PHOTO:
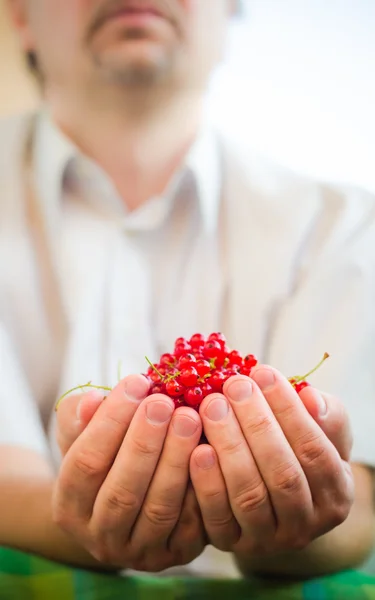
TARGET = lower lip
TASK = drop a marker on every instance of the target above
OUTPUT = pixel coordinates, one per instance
(136, 19)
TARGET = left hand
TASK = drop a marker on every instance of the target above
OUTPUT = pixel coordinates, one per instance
(275, 474)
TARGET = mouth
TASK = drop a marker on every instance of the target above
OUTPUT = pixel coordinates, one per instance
(132, 13)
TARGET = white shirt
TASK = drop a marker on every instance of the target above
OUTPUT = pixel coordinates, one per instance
(131, 283)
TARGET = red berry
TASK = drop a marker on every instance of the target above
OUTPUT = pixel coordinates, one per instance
(180, 340)
(157, 389)
(188, 377)
(217, 381)
(245, 371)
(155, 377)
(182, 348)
(179, 401)
(203, 367)
(167, 359)
(212, 350)
(217, 337)
(206, 389)
(186, 359)
(250, 361)
(197, 340)
(193, 396)
(235, 358)
(230, 373)
(301, 385)
(174, 389)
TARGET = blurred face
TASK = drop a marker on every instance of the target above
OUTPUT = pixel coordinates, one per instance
(124, 42)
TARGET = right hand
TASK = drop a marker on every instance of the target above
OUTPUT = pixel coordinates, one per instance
(122, 491)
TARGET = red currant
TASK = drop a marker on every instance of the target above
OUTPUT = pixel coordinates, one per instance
(217, 381)
(212, 350)
(186, 359)
(206, 389)
(197, 340)
(182, 348)
(203, 367)
(193, 396)
(188, 377)
(217, 337)
(174, 389)
(167, 359)
(250, 361)
(301, 385)
(158, 389)
(235, 358)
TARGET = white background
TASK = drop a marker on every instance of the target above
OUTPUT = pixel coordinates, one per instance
(298, 84)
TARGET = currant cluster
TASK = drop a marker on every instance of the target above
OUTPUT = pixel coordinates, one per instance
(200, 366)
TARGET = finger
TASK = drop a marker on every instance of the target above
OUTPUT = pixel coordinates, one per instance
(321, 462)
(279, 467)
(189, 537)
(122, 494)
(163, 503)
(248, 495)
(330, 414)
(219, 522)
(89, 459)
(73, 415)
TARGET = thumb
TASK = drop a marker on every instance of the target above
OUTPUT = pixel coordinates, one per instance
(331, 416)
(73, 415)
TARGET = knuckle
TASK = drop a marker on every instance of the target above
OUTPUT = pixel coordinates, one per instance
(287, 478)
(311, 450)
(231, 447)
(252, 499)
(120, 500)
(261, 425)
(160, 515)
(90, 462)
(144, 448)
(339, 513)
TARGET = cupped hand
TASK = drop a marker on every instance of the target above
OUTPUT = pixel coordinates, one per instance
(275, 474)
(123, 487)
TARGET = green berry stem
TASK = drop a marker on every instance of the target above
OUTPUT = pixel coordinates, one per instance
(300, 378)
(81, 387)
(155, 369)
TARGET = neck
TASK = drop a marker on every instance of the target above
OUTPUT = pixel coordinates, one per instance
(139, 148)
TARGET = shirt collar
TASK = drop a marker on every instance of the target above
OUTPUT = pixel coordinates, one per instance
(56, 156)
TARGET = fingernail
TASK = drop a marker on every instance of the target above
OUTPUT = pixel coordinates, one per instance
(184, 426)
(240, 390)
(265, 378)
(217, 409)
(159, 412)
(136, 388)
(205, 459)
(321, 404)
(95, 397)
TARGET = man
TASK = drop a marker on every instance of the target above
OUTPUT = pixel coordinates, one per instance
(127, 222)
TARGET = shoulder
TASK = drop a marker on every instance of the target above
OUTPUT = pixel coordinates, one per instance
(13, 133)
(345, 212)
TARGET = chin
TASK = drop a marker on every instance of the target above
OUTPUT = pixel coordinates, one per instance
(135, 68)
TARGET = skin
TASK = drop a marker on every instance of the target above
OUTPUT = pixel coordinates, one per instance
(134, 489)
(274, 477)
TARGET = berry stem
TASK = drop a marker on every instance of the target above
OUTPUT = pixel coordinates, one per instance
(155, 369)
(80, 387)
(306, 375)
(119, 369)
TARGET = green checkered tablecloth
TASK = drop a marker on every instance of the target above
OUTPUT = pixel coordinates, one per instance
(26, 577)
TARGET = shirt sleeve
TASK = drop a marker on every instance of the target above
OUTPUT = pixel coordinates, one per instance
(332, 309)
(20, 422)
